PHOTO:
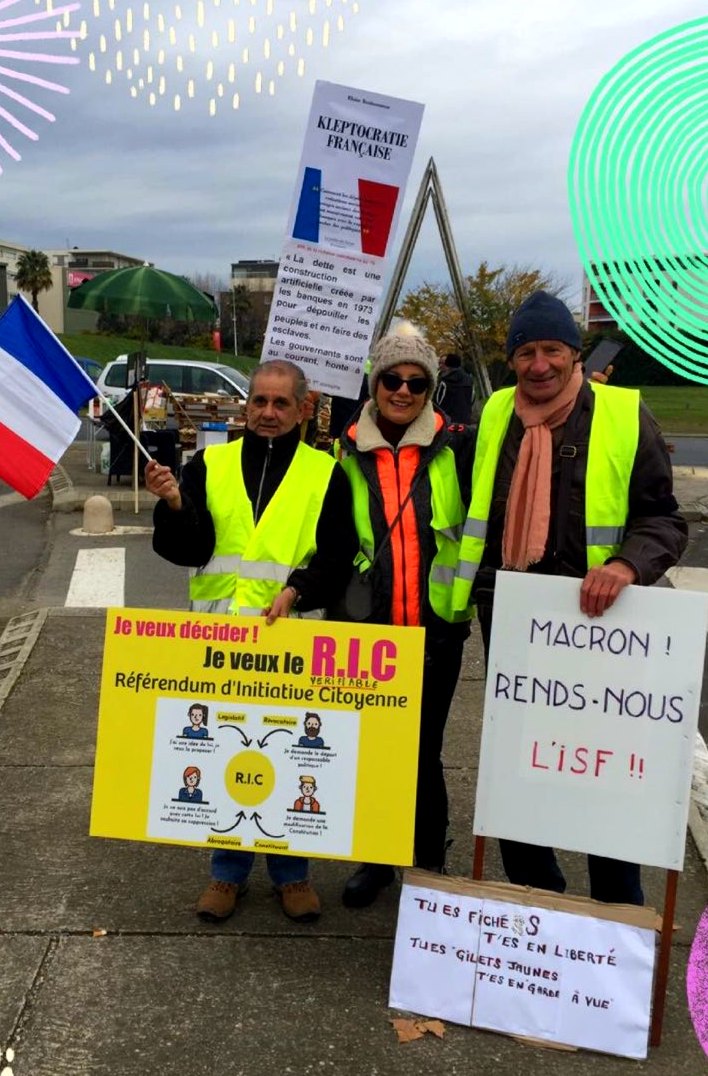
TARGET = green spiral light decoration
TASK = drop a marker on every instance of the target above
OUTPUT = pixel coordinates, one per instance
(638, 189)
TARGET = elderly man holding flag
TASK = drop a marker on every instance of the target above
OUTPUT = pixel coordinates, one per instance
(266, 524)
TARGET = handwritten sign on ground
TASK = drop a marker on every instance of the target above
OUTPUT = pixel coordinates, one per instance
(560, 969)
(589, 724)
(353, 172)
(299, 738)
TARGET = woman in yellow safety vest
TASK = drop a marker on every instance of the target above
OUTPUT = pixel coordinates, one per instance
(409, 473)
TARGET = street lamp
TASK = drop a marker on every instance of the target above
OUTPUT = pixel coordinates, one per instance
(233, 311)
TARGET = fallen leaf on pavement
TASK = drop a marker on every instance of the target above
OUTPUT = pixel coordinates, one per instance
(410, 1029)
(407, 1030)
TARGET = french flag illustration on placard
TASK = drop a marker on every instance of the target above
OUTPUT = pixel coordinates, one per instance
(41, 389)
(377, 204)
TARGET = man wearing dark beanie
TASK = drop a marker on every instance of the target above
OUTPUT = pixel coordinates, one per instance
(573, 479)
(539, 317)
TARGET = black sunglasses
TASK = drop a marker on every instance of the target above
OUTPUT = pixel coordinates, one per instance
(416, 385)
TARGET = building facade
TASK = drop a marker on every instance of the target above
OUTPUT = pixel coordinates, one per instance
(69, 268)
(252, 287)
(595, 319)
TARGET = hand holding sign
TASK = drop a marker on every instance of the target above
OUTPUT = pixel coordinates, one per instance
(603, 584)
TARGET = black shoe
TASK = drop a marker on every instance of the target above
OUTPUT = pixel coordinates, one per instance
(363, 887)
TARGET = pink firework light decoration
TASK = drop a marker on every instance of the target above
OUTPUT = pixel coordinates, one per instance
(697, 981)
(19, 35)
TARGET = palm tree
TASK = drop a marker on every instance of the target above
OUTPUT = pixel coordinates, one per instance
(34, 274)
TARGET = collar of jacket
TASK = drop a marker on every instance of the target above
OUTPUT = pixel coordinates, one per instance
(420, 432)
(283, 447)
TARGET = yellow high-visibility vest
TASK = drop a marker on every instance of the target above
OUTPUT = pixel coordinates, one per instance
(251, 563)
(614, 436)
(448, 513)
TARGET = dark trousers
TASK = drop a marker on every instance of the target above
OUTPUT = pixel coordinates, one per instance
(611, 880)
(441, 670)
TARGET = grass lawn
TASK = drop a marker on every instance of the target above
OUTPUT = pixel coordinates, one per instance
(682, 409)
(104, 348)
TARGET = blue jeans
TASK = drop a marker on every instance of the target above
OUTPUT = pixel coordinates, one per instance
(228, 866)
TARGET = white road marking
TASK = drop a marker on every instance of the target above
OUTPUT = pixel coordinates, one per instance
(98, 580)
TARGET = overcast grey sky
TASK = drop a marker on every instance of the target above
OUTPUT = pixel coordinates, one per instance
(503, 83)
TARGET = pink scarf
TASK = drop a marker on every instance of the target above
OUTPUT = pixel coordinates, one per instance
(528, 510)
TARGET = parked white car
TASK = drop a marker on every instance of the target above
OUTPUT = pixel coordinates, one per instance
(182, 376)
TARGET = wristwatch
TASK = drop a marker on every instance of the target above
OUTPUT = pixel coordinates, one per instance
(296, 592)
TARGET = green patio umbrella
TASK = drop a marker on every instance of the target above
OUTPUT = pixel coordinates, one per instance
(146, 292)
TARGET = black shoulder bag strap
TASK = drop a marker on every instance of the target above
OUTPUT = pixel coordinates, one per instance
(387, 537)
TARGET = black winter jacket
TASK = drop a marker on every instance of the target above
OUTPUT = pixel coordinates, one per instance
(454, 395)
(187, 537)
(655, 533)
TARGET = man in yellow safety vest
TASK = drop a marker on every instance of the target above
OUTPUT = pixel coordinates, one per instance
(266, 524)
(570, 478)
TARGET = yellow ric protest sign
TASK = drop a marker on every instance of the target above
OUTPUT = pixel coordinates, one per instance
(221, 731)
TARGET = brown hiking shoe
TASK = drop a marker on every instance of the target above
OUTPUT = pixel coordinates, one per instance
(299, 901)
(219, 900)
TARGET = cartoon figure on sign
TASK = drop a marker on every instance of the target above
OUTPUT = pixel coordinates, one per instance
(198, 714)
(312, 736)
(306, 800)
(190, 792)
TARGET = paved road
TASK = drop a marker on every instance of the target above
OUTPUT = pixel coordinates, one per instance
(96, 935)
(48, 565)
(26, 542)
(689, 451)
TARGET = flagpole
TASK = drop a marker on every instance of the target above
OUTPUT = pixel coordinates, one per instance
(137, 442)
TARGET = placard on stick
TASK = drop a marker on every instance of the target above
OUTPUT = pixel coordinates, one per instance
(525, 962)
(356, 157)
(589, 724)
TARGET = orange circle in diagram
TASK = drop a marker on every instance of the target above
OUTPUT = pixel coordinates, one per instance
(249, 778)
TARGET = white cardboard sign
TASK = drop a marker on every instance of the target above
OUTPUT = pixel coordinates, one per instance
(356, 158)
(524, 968)
(589, 724)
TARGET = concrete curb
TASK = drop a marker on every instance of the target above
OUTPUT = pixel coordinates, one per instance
(73, 500)
(694, 512)
(698, 811)
(686, 471)
(699, 832)
(66, 497)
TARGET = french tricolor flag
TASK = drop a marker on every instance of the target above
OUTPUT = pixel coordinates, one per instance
(41, 389)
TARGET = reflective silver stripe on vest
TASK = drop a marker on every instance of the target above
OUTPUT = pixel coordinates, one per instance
(441, 574)
(475, 528)
(466, 570)
(453, 533)
(267, 570)
(216, 605)
(220, 566)
(604, 535)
